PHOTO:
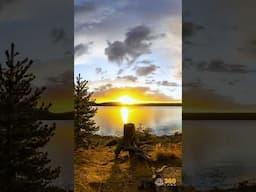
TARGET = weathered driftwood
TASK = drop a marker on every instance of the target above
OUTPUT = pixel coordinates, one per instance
(130, 143)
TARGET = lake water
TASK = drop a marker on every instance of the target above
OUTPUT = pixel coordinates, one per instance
(60, 149)
(162, 120)
(218, 153)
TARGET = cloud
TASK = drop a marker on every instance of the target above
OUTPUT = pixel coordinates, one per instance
(145, 61)
(198, 98)
(138, 41)
(140, 93)
(98, 70)
(146, 70)
(150, 81)
(194, 84)
(59, 91)
(88, 14)
(220, 66)
(103, 87)
(88, 6)
(101, 72)
(58, 35)
(63, 78)
(189, 29)
(116, 52)
(249, 48)
(120, 71)
(167, 83)
(128, 77)
(82, 48)
(45, 70)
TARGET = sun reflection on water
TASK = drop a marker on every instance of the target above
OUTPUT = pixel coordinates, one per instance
(125, 114)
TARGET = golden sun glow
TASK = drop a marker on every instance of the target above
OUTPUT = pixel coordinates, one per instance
(126, 100)
(125, 114)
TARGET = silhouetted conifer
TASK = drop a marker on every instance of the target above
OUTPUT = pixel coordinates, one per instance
(85, 125)
(24, 167)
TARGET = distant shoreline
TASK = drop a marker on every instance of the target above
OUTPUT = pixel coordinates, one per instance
(138, 104)
(219, 116)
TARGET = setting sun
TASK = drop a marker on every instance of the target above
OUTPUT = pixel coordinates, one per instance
(126, 100)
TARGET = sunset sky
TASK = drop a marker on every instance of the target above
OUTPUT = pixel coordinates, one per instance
(39, 35)
(219, 56)
(129, 48)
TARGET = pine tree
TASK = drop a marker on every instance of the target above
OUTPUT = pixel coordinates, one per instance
(23, 164)
(85, 125)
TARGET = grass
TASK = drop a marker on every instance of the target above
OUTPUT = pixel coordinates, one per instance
(96, 169)
(167, 153)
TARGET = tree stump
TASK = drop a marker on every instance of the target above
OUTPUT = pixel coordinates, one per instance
(129, 138)
(130, 143)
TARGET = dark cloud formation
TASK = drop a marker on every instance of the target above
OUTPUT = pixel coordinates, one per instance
(87, 6)
(61, 79)
(59, 91)
(189, 29)
(222, 56)
(103, 87)
(47, 71)
(88, 14)
(248, 48)
(186, 62)
(42, 36)
(192, 99)
(58, 35)
(167, 83)
(120, 71)
(91, 14)
(220, 66)
(145, 61)
(216, 65)
(101, 72)
(98, 70)
(146, 70)
(128, 77)
(116, 52)
(150, 81)
(82, 48)
(194, 84)
(138, 41)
